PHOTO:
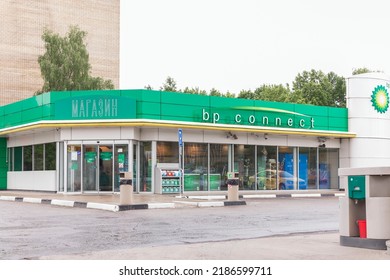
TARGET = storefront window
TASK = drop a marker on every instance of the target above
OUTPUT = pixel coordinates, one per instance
(308, 167)
(266, 178)
(38, 157)
(327, 169)
(18, 158)
(50, 156)
(287, 179)
(10, 159)
(167, 152)
(27, 158)
(244, 163)
(145, 166)
(195, 167)
(219, 162)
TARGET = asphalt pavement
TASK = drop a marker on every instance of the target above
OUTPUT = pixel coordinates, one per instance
(310, 246)
(294, 226)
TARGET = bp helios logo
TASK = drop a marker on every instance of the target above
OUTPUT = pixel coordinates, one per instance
(380, 99)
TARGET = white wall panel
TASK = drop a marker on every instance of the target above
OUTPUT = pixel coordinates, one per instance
(127, 133)
(98, 133)
(46, 137)
(370, 148)
(32, 180)
(149, 134)
(66, 133)
(20, 140)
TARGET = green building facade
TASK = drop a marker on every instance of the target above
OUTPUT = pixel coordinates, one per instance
(82, 141)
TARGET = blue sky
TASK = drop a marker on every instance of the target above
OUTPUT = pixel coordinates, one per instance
(235, 45)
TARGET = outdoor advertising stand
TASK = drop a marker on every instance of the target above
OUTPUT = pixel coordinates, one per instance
(365, 209)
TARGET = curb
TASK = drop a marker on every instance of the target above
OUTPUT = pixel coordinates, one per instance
(65, 203)
(117, 208)
(293, 195)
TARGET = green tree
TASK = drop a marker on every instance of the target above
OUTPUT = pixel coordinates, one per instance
(215, 92)
(338, 90)
(169, 85)
(363, 70)
(248, 94)
(229, 94)
(317, 88)
(65, 64)
(194, 90)
(277, 93)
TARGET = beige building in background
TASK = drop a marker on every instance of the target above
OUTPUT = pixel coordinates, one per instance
(22, 25)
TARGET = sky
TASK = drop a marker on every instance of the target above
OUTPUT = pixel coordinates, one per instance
(243, 44)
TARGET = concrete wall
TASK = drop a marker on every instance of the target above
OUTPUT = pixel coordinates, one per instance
(22, 25)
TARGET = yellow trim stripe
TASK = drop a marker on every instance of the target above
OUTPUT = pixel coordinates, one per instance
(168, 124)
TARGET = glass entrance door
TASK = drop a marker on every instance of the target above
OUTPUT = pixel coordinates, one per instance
(73, 168)
(97, 168)
(105, 168)
(90, 168)
(121, 163)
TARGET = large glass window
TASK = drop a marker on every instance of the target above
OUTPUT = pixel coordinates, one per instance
(27, 158)
(287, 177)
(18, 158)
(167, 152)
(327, 168)
(38, 157)
(195, 167)
(145, 166)
(10, 159)
(219, 163)
(50, 156)
(266, 178)
(308, 167)
(244, 164)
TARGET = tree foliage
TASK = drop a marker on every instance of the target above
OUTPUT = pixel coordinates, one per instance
(363, 70)
(169, 85)
(195, 90)
(309, 87)
(278, 93)
(65, 63)
(316, 88)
